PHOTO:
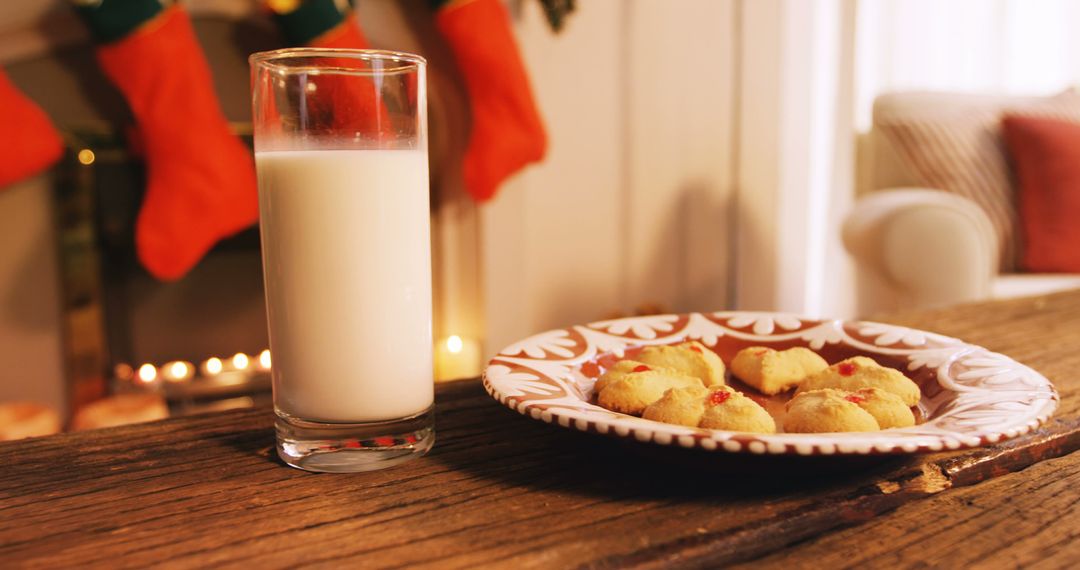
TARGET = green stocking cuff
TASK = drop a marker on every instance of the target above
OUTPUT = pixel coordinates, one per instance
(310, 20)
(111, 20)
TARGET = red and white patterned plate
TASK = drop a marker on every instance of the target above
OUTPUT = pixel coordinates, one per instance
(970, 395)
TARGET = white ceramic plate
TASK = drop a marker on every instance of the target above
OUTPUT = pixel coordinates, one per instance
(971, 396)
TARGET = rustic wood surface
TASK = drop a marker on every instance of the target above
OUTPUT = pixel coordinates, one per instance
(503, 490)
(1029, 519)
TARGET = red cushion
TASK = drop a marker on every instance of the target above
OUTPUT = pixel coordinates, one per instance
(1046, 156)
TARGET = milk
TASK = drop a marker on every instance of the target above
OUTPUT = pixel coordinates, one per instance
(347, 266)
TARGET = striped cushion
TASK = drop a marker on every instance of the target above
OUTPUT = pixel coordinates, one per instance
(962, 151)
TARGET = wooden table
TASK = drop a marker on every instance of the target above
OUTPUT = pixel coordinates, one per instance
(502, 490)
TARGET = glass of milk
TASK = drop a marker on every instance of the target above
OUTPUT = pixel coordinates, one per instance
(341, 157)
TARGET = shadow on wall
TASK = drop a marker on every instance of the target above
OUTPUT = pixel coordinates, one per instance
(675, 277)
(687, 269)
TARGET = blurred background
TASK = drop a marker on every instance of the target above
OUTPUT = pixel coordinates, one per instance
(702, 155)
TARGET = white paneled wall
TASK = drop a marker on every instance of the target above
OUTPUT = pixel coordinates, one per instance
(680, 123)
(795, 154)
(632, 205)
(551, 237)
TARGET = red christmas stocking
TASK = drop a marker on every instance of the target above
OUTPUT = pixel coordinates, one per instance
(200, 177)
(507, 132)
(28, 141)
(346, 35)
(349, 103)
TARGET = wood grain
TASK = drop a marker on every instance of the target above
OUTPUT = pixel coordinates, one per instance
(1021, 520)
(503, 490)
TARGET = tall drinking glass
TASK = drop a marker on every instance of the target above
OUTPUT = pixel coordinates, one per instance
(341, 157)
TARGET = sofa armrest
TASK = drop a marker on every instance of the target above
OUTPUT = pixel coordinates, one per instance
(931, 247)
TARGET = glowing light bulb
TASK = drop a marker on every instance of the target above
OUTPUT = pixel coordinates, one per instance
(213, 366)
(147, 373)
(454, 344)
(240, 361)
(86, 156)
(178, 371)
(264, 359)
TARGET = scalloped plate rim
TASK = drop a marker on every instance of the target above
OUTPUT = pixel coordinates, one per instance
(588, 417)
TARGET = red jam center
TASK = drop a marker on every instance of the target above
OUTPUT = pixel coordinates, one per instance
(846, 369)
(855, 398)
(696, 349)
(719, 397)
(642, 368)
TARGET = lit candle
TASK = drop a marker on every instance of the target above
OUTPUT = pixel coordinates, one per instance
(213, 366)
(457, 357)
(177, 371)
(234, 370)
(147, 373)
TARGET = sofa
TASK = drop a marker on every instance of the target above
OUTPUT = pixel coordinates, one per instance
(916, 246)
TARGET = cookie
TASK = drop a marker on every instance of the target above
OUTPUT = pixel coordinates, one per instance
(729, 410)
(888, 409)
(860, 372)
(826, 411)
(621, 369)
(772, 371)
(691, 358)
(681, 406)
(636, 390)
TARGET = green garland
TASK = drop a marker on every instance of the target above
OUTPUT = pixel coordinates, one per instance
(557, 11)
(110, 20)
(309, 20)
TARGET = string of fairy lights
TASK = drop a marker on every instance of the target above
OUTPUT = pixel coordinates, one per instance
(455, 357)
(181, 370)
